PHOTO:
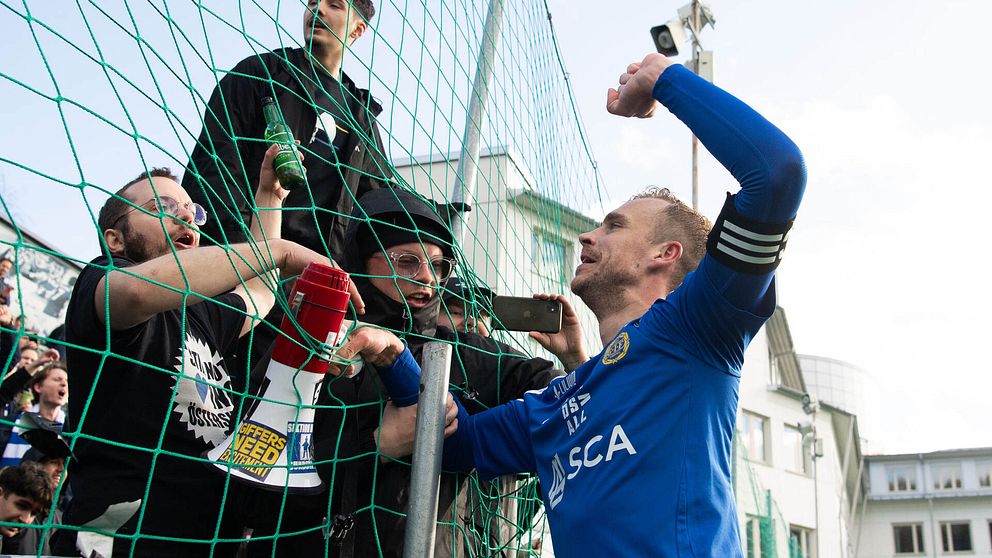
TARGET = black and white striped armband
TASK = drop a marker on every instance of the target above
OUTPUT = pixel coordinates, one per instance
(746, 245)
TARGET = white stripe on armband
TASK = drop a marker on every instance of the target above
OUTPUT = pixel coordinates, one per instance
(767, 249)
(744, 257)
(745, 245)
(753, 235)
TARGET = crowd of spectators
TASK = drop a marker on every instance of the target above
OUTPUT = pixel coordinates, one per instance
(33, 393)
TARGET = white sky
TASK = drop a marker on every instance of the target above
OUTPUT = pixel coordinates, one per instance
(887, 100)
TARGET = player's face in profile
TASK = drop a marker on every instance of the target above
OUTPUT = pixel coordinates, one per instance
(615, 254)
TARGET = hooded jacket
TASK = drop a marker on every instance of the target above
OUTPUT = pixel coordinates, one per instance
(484, 373)
(228, 154)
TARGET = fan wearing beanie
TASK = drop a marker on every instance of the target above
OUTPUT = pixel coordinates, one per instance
(399, 250)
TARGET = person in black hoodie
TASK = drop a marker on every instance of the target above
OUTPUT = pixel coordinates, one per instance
(399, 252)
(333, 119)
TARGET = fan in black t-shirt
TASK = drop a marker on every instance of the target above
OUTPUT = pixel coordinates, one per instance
(145, 350)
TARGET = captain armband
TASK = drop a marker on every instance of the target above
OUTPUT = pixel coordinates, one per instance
(746, 245)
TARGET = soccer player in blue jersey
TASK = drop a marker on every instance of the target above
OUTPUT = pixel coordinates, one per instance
(645, 427)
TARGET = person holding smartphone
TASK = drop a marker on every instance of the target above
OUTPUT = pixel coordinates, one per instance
(466, 308)
(399, 251)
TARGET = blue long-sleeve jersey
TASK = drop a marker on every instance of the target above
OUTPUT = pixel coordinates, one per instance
(633, 448)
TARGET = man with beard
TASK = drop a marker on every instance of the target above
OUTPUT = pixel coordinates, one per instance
(399, 252)
(646, 425)
(146, 327)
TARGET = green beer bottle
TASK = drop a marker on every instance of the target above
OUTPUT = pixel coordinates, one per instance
(287, 163)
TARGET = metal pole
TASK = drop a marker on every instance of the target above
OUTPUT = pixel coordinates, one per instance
(695, 140)
(468, 162)
(418, 542)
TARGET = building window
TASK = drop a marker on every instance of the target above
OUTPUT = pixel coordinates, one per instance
(755, 431)
(984, 470)
(800, 542)
(548, 255)
(909, 538)
(902, 478)
(795, 454)
(760, 538)
(946, 477)
(956, 536)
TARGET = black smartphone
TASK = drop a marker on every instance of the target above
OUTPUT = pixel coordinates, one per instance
(513, 313)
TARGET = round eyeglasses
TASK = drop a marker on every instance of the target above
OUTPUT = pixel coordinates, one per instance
(408, 265)
(169, 206)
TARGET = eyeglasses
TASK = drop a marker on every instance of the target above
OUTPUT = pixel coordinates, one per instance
(408, 265)
(169, 206)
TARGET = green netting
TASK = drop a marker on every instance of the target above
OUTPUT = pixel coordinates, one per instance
(101, 91)
(765, 527)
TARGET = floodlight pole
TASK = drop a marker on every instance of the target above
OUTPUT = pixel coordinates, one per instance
(466, 177)
(695, 68)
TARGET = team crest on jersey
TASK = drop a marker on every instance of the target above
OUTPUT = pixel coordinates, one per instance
(201, 401)
(617, 349)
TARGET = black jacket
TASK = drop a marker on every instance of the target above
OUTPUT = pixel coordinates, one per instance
(484, 373)
(229, 153)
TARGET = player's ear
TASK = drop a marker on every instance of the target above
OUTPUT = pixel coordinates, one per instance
(666, 254)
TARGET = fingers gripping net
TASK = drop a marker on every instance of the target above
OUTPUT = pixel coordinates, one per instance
(102, 91)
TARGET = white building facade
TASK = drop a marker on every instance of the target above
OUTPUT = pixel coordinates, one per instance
(928, 504)
(798, 462)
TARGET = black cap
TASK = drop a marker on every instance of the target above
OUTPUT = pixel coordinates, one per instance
(386, 217)
(44, 435)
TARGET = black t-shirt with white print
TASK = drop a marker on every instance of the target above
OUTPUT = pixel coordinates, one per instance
(335, 105)
(156, 386)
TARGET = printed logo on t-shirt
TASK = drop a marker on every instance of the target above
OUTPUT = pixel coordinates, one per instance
(617, 349)
(327, 124)
(201, 402)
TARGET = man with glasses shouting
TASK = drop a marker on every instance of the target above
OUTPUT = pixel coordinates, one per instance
(146, 327)
(399, 251)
